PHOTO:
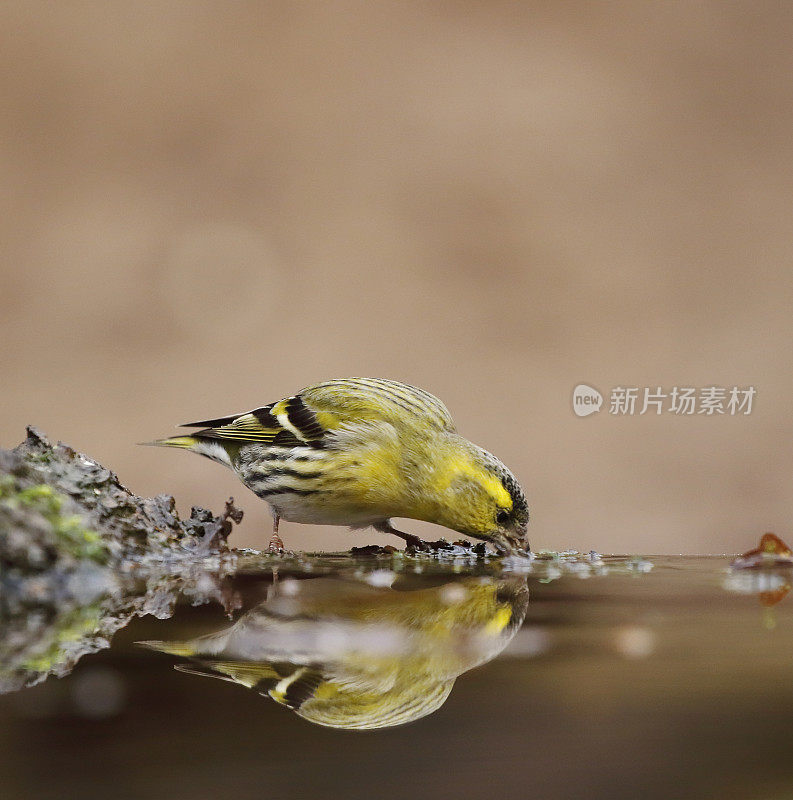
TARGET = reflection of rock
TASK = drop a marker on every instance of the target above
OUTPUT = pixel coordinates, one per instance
(345, 654)
(80, 555)
(764, 571)
(46, 637)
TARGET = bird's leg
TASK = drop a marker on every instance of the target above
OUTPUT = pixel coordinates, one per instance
(272, 589)
(412, 542)
(276, 543)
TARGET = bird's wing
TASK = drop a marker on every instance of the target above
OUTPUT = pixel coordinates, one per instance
(309, 416)
(288, 423)
(248, 674)
(352, 705)
(349, 400)
(358, 700)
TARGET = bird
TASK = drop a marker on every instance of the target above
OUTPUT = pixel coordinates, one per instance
(360, 452)
(342, 653)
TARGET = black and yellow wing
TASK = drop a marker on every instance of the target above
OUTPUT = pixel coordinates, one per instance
(309, 417)
(287, 423)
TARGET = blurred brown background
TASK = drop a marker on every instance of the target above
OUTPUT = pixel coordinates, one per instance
(209, 205)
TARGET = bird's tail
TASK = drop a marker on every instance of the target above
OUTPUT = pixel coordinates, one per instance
(185, 649)
(185, 442)
(248, 673)
(211, 448)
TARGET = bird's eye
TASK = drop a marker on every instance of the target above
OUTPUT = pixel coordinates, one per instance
(502, 518)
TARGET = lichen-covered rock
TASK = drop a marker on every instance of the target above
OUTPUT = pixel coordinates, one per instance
(69, 504)
(80, 555)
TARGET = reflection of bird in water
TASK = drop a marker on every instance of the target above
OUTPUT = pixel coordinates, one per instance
(349, 655)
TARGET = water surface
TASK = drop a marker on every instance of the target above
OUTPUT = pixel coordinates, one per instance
(568, 676)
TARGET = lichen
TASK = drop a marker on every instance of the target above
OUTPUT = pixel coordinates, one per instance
(68, 529)
(72, 629)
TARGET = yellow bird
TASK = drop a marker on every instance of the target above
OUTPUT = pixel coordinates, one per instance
(361, 451)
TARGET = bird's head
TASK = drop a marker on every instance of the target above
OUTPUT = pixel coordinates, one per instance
(484, 500)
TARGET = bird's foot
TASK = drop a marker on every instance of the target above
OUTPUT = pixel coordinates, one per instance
(413, 543)
(276, 544)
(373, 550)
